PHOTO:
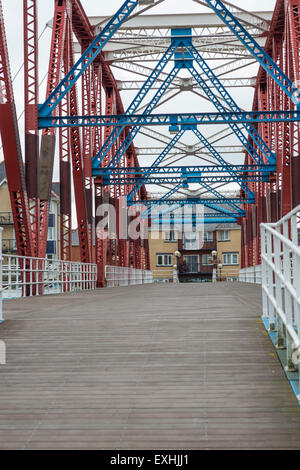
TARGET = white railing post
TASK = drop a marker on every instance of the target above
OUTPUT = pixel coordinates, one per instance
(1, 280)
(281, 287)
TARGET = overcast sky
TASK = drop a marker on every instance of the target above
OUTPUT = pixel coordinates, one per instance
(14, 27)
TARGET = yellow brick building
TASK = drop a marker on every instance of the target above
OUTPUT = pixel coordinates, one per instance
(6, 218)
(162, 247)
(229, 250)
(227, 244)
(7, 224)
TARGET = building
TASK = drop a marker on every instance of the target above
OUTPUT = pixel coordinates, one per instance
(6, 219)
(218, 247)
(196, 255)
(162, 246)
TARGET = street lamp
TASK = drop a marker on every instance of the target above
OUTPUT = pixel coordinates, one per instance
(214, 257)
(177, 255)
(220, 266)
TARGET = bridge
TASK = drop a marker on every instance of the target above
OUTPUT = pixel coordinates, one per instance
(94, 354)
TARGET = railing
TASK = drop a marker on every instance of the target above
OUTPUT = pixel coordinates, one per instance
(195, 268)
(252, 275)
(281, 288)
(6, 218)
(165, 275)
(24, 276)
(1, 289)
(117, 276)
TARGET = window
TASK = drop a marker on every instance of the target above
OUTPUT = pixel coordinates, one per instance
(223, 236)
(51, 220)
(208, 236)
(192, 263)
(230, 259)
(191, 241)
(51, 234)
(206, 260)
(164, 259)
(170, 236)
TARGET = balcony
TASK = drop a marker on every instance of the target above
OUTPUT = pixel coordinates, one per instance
(195, 268)
(9, 246)
(6, 218)
(209, 245)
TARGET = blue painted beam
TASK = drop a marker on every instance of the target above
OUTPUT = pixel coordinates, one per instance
(216, 220)
(186, 179)
(87, 58)
(183, 120)
(171, 170)
(190, 201)
(256, 50)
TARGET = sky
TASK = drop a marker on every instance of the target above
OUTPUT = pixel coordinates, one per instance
(13, 10)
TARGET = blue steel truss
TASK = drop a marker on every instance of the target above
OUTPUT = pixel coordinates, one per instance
(87, 58)
(188, 119)
(186, 179)
(220, 159)
(205, 220)
(171, 170)
(256, 50)
(138, 100)
(194, 200)
(157, 162)
(185, 55)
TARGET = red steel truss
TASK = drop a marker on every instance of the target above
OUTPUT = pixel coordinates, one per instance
(12, 152)
(30, 185)
(277, 198)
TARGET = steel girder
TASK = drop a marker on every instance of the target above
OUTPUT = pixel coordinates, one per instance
(277, 198)
(136, 120)
(12, 152)
(31, 100)
(87, 58)
(258, 52)
(171, 170)
(136, 102)
(192, 200)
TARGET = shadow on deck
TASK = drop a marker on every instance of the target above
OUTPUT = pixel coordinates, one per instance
(148, 367)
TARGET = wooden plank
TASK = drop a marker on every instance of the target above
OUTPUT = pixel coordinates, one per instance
(146, 367)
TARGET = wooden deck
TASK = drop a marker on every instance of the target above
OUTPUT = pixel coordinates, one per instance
(149, 367)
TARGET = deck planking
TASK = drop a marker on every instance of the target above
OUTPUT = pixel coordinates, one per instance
(145, 367)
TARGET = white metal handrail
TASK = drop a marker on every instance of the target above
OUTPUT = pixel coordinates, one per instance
(281, 284)
(251, 275)
(28, 276)
(1, 289)
(118, 276)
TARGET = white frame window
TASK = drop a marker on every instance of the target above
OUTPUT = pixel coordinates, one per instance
(164, 259)
(224, 235)
(170, 236)
(208, 236)
(230, 259)
(206, 260)
(192, 262)
(191, 241)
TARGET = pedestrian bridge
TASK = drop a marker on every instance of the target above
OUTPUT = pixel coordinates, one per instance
(186, 366)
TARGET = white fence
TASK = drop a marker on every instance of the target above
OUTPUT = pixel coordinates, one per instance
(253, 275)
(24, 276)
(116, 276)
(281, 284)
